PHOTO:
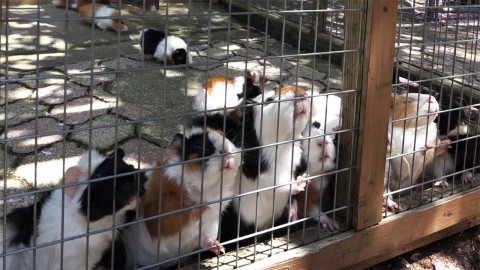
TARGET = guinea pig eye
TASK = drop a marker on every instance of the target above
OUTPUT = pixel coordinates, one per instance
(269, 100)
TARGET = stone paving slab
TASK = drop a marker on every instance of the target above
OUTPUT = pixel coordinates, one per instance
(21, 111)
(31, 136)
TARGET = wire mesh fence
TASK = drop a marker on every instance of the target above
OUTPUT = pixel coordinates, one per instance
(436, 54)
(197, 134)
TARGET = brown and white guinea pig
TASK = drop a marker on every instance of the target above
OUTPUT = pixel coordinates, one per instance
(74, 212)
(164, 48)
(272, 121)
(103, 17)
(200, 167)
(326, 110)
(413, 139)
(320, 153)
(222, 92)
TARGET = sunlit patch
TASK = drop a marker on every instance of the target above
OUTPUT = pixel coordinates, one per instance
(172, 73)
(46, 172)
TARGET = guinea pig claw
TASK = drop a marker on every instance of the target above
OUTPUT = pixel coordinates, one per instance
(391, 205)
(299, 184)
(214, 246)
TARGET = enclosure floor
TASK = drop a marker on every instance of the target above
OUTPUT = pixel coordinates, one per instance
(137, 104)
(78, 87)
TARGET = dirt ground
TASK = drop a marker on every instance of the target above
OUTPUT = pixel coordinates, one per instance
(459, 251)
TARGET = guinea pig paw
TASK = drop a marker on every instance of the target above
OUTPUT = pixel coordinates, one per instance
(299, 184)
(425, 148)
(441, 183)
(328, 223)
(391, 205)
(467, 177)
(442, 146)
(293, 211)
(214, 246)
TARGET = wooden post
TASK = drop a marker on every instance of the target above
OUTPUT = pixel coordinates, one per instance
(371, 71)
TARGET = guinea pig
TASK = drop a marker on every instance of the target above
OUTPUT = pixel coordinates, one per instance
(87, 207)
(222, 92)
(413, 139)
(320, 153)
(164, 48)
(181, 199)
(92, 14)
(277, 117)
(457, 124)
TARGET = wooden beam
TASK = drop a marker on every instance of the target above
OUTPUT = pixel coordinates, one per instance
(374, 112)
(392, 237)
(434, 81)
(352, 70)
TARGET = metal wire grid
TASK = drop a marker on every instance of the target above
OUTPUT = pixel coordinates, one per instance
(436, 49)
(70, 137)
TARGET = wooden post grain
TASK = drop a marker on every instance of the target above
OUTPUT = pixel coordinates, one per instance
(371, 70)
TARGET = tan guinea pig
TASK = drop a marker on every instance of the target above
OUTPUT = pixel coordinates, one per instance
(100, 13)
(413, 139)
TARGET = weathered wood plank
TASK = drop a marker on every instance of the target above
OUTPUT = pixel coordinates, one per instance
(376, 95)
(434, 81)
(352, 68)
(393, 236)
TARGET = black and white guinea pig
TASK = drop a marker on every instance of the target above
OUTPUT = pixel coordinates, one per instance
(455, 117)
(164, 48)
(457, 122)
(89, 207)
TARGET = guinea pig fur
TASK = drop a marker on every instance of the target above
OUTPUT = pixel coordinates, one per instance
(75, 211)
(326, 110)
(211, 166)
(98, 11)
(164, 48)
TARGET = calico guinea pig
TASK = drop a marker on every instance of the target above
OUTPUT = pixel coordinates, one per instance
(98, 11)
(164, 48)
(99, 200)
(200, 167)
(226, 92)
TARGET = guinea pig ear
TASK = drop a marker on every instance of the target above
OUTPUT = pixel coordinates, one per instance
(176, 145)
(72, 175)
(120, 153)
